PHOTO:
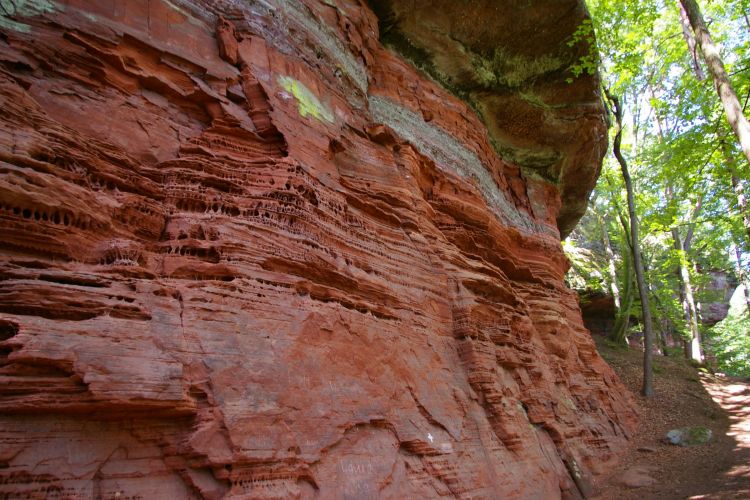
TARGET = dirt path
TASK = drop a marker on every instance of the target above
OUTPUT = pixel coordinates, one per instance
(684, 397)
(734, 398)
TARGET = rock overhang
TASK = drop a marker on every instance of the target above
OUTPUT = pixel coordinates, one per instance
(511, 61)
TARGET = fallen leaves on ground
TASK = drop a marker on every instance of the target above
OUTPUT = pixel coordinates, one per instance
(683, 397)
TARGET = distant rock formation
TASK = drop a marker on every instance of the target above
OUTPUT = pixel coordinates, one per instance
(719, 291)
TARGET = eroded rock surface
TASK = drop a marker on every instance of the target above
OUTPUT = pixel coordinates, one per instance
(718, 292)
(517, 62)
(598, 310)
(247, 252)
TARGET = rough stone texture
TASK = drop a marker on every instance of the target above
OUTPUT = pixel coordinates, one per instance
(689, 436)
(598, 311)
(513, 61)
(246, 252)
(717, 295)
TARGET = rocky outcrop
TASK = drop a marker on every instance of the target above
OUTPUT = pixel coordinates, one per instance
(717, 293)
(517, 63)
(598, 310)
(247, 252)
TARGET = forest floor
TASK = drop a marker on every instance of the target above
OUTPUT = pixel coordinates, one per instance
(684, 397)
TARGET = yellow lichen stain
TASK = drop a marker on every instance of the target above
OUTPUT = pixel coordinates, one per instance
(309, 104)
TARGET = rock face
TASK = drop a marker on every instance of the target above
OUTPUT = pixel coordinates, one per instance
(717, 293)
(598, 310)
(512, 61)
(247, 252)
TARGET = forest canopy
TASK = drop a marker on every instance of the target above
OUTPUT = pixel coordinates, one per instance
(689, 177)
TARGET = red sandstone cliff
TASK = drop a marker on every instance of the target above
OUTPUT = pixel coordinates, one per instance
(247, 252)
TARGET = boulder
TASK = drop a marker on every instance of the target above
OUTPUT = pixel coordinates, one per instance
(689, 436)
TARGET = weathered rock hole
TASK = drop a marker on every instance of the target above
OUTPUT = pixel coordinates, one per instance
(73, 280)
(8, 329)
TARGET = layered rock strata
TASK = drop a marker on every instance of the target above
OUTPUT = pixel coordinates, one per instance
(248, 252)
(524, 66)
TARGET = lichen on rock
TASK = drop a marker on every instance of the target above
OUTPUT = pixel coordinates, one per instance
(309, 105)
(512, 63)
(689, 436)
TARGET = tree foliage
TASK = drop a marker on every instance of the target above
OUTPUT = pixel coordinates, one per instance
(688, 171)
(731, 342)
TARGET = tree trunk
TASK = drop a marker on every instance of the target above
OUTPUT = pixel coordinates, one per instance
(687, 33)
(667, 330)
(648, 330)
(662, 337)
(715, 65)
(737, 187)
(619, 332)
(685, 314)
(739, 191)
(611, 267)
(688, 300)
(742, 275)
(693, 347)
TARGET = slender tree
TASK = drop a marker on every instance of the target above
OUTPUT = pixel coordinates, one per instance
(687, 33)
(737, 187)
(619, 332)
(601, 219)
(648, 331)
(611, 266)
(687, 296)
(742, 274)
(622, 322)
